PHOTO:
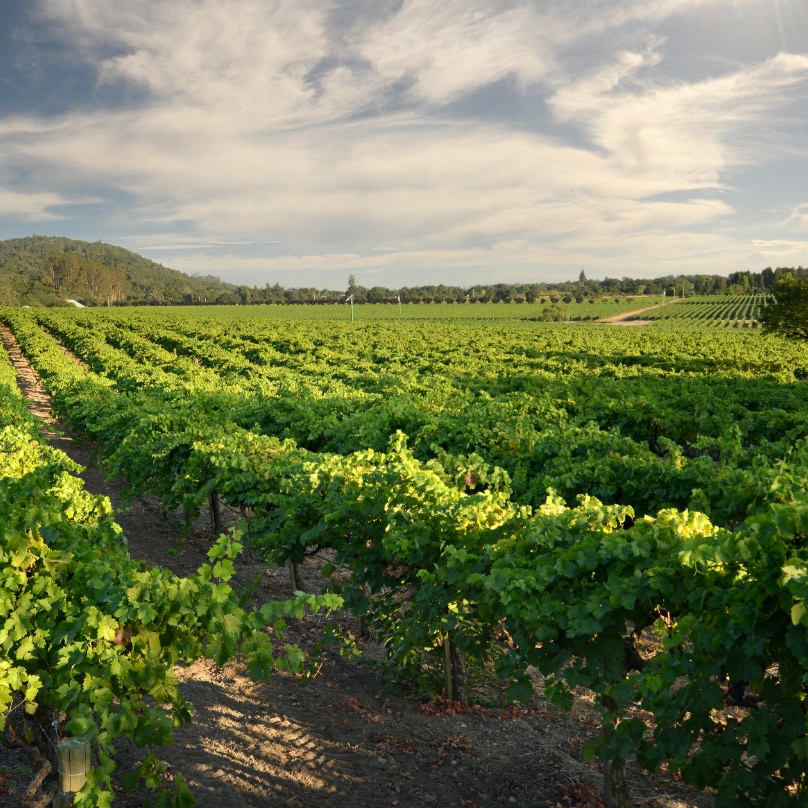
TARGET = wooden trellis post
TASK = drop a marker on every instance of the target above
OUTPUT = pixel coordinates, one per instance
(215, 513)
(73, 756)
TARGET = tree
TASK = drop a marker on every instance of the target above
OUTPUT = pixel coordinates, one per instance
(788, 314)
(64, 271)
(378, 294)
(359, 293)
(72, 275)
(556, 313)
(102, 284)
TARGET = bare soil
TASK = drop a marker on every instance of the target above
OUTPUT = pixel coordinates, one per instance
(629, 317)
(351, 736)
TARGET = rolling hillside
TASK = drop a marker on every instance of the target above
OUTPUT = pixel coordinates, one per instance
(47, 270)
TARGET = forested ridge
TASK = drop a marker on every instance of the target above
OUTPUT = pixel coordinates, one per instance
(46, 270)
(49, 270)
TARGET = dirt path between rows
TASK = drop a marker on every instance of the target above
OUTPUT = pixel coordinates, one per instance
(628, 317)
(351, 736)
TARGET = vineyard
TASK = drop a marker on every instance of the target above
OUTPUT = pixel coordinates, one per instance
(623, 510)
(716, 311)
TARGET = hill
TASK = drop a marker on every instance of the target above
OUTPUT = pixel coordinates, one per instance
(47, 270)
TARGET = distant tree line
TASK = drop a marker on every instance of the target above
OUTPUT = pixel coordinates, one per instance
(46, 270)
(744, 282)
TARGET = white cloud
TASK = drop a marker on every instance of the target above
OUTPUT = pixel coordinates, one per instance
(248, 60)
(690, 133)
(450, 48)
(799, 217)
(391, 182)
(30, 207)
(782, 251)
(646, 254)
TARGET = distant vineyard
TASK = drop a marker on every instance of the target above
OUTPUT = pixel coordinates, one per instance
(717, 311)
(587, 310)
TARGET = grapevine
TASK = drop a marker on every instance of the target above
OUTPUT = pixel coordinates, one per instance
(665, 571)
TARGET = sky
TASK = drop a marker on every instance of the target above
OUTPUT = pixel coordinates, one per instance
(411, 142)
